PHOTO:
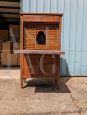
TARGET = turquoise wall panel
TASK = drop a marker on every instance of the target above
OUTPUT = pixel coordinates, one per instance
(74, 31)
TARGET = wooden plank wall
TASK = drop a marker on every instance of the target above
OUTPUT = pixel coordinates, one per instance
(74, 31)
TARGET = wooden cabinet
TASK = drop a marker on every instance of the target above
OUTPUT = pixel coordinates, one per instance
(40, 43)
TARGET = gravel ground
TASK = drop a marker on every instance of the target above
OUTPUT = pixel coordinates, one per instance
(41, 97)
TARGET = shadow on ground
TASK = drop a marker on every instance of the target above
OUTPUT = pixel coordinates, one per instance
(47, 86)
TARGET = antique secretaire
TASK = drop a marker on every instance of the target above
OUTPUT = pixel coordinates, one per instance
(40, 45)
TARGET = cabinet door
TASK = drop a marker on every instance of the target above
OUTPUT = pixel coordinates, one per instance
(49, 66)
(29, 38)
(31, 65)
(39, 66)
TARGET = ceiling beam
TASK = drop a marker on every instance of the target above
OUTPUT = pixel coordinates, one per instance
(9, 21)
(13, 23)
(10, 7)
(11, 0)
(17, 13)
(11, 18)
(3, 20)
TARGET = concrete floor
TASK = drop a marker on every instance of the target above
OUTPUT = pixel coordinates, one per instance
(41, 97)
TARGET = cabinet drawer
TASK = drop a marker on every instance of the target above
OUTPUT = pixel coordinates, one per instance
(41, 18)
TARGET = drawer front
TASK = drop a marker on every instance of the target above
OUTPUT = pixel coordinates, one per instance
(41, 18)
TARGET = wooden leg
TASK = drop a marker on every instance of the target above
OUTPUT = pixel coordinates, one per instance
(25, 80)
(22, 83)
(57, 78)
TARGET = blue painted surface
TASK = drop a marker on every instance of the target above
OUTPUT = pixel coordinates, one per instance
(74, 31)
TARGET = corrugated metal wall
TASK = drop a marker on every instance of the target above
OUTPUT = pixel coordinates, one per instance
(74, 31)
